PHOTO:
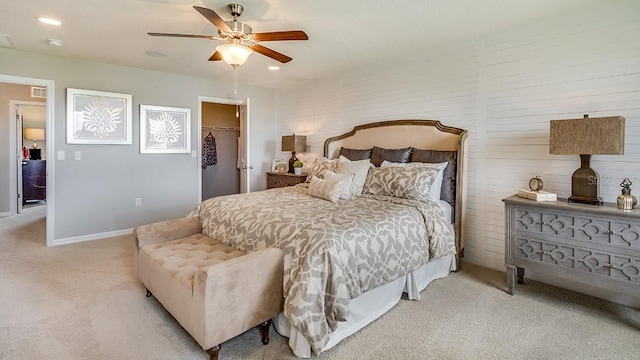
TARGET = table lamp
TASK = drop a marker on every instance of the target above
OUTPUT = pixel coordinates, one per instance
(35, 134)
(294, 143)
(586, 137)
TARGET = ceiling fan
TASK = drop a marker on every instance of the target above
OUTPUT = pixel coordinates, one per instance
(240, 37)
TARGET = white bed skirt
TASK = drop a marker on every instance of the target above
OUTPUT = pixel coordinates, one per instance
(371, 305)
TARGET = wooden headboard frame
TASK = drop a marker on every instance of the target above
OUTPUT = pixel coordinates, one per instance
(420, 134)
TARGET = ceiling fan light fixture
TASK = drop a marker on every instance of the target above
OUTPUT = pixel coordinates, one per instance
(234, 54)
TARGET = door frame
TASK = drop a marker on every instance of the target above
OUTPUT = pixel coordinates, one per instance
(49, 135)
(16, 207)
(244, 133)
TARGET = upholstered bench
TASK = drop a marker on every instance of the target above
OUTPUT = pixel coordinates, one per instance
(214, 291)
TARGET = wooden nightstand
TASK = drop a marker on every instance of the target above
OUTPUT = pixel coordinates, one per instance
(276, 179)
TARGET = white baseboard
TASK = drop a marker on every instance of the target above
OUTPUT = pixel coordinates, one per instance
(90, 237)
(6, 213)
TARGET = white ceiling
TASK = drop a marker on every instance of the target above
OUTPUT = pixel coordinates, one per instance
(343, 34)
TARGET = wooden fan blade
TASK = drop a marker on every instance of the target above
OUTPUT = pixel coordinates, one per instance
(213, 18)
(281, 35)
(216, 56)
(209, 37)
(271, 53)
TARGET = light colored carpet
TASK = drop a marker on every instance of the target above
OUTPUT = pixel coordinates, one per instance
(83, 301)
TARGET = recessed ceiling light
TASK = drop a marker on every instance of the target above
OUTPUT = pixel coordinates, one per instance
(273, 67)
(54, 42)
(49, 21)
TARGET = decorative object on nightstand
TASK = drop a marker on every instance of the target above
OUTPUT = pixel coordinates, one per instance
(294, 143)
(34, 134)
(536, 193)
(536, 184)
(297, 167)
(626, 201)
(282, 179)
(586, 137)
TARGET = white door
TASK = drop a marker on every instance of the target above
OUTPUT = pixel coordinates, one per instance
(18, 157)
(245, 163)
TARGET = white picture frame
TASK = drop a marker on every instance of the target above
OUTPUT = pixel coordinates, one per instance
(98, 117)
(165, 130)
(274, 164)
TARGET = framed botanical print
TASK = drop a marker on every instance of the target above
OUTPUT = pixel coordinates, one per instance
(165, 129)
(98, 117)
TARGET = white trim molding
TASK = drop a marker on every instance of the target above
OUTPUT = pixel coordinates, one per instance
(90, 237)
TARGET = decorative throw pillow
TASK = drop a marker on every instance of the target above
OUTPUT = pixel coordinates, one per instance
(409, 183)
(346, 185)
(435, 190)
(378, 155)
(325, 189)
(355, 154)
(359, 168)
(448, 193)
(320, 165)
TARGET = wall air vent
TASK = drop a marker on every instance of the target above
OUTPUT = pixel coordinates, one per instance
(38, 92)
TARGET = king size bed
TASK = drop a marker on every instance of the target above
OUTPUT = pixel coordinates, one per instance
(348, 259)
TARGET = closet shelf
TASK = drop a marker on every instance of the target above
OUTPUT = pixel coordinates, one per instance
(223, 128)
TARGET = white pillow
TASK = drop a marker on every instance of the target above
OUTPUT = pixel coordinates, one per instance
(325, 189)
(359, 168)
(435, 190)
(346, 185)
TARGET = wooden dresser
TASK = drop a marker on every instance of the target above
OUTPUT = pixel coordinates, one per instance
(34, 180)
(276, 179)
(596, 245)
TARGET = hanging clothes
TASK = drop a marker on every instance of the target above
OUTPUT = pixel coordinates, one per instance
(209, 151)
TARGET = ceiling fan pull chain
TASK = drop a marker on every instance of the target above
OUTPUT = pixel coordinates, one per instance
(235, 81)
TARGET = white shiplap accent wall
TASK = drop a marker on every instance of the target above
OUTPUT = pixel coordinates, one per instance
(503, 89)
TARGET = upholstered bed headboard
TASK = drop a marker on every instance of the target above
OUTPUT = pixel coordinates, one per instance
(417, 134)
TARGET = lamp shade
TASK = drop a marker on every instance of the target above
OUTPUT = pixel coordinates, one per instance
(294, 143)
(34, 134)
(593, 136)
(234, 54)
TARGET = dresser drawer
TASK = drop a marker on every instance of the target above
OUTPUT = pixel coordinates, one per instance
(618, 232)
(614, 266)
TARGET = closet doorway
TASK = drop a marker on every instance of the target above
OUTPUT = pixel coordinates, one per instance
(223, 128)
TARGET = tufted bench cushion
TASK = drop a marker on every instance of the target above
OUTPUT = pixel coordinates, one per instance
(181, 258)
(214, 291)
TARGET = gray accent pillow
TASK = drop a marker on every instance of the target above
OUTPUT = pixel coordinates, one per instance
(402, 182)
(448, 191)
(378, 155)
(355, 154)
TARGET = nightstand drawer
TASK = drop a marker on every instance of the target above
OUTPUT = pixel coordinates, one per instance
(623, 233)
(590, 261)
(276, 180)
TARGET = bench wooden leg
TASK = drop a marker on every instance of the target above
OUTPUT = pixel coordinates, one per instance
(213, 352)
(264, 331)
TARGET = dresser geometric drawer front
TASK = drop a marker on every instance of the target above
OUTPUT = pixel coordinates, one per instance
(594, 262)
(624, 234)
(594, 245)
(545, 223)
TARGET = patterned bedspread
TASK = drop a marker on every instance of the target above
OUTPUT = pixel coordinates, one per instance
(333, 251)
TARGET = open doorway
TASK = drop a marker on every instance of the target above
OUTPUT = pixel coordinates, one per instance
(220, 136)
(15, 92)
(225, 123)
(31, 168)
